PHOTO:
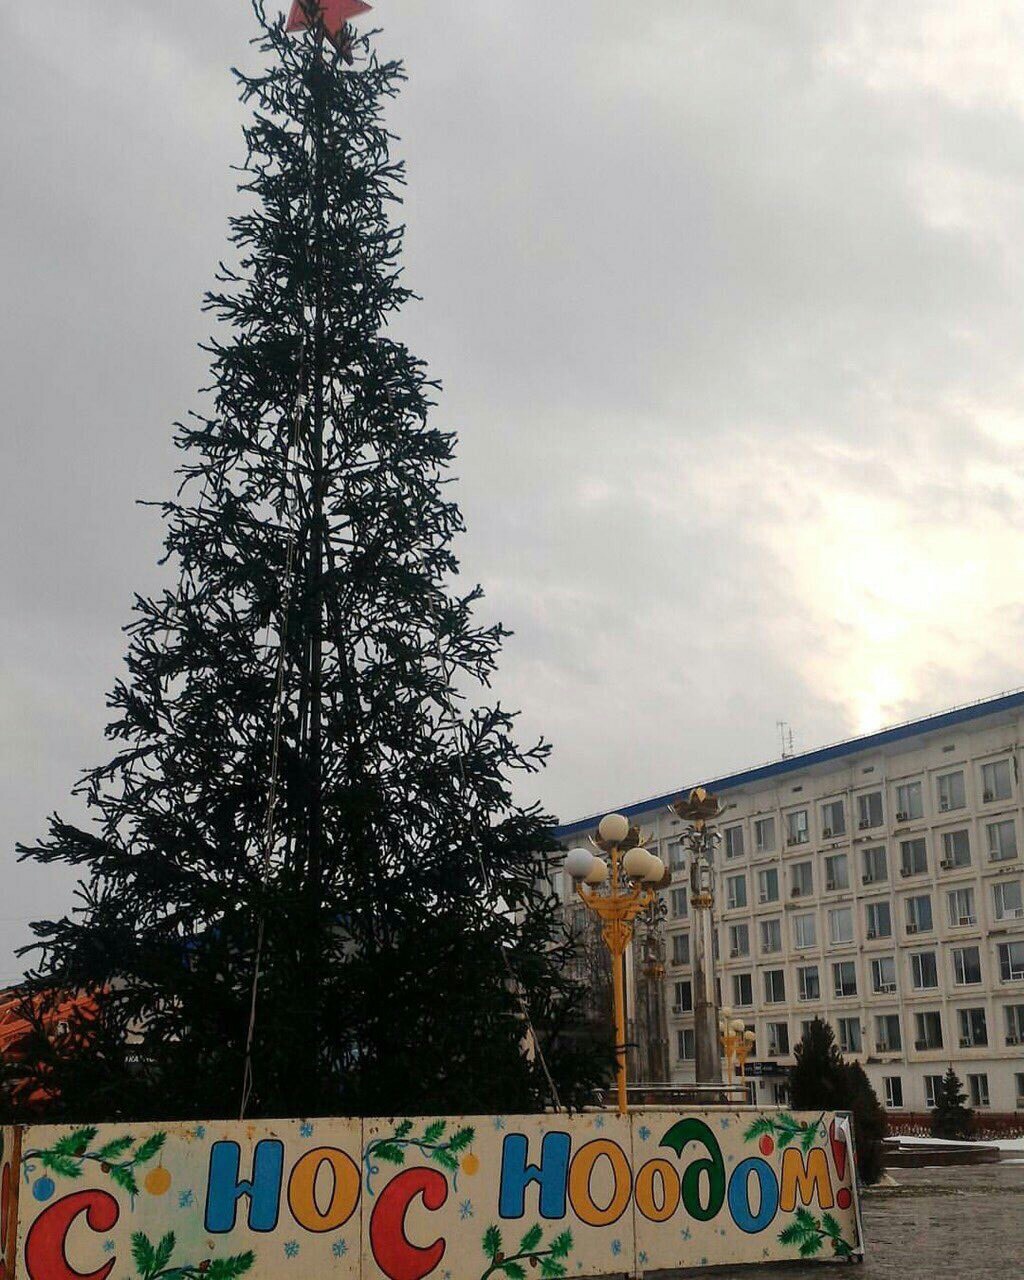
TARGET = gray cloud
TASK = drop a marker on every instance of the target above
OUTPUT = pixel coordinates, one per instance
(725, 303)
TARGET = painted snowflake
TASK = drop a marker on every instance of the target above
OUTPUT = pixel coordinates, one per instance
(339, 1248)
(644, 1133)
(305, 1130)
(465, 1210)
(616, 1247)
(186, 1199)
(291, 1249)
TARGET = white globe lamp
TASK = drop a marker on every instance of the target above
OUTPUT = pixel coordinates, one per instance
(613, 828)
(598, 872)
(655, 869)
(579, 863)
(636, 863)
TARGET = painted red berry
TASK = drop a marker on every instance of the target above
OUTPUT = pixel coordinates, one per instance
(766, 1146)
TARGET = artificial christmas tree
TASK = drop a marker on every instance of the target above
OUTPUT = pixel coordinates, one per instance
(308, 872)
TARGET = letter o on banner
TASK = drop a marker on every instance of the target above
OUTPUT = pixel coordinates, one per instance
(580, 1173)
(739, 1195)
(344, 1190)
(663, 1173)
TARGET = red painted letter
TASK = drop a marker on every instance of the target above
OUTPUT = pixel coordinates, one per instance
(45, 1254)
(395, 1255)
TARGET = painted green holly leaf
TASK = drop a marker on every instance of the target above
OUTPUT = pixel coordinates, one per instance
(229, 1268)
(790, 1234)
(162, 1253)
(75, 1143)
(807, 1140)
(445, 1159)
(66, 1166)
(404, 1129)
(513, 1270)
(531, 1240)
(390, 1152)
(550, 1268)
(125, 1179)
(434, 1130)
(806, 1221)
(143, 1253)
(757, 1128)
(561, 1244)
(830, 1226)
(148, 1149)
(492, 1241)
(461, 1138)
(810, 1245)
(117, 1147)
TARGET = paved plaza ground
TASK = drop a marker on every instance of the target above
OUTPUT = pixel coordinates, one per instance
(946, 1224)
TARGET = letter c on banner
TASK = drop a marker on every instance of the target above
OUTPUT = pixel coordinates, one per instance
(45, 1247)
(393, 1252)
(344, 1190)
(580, 1173)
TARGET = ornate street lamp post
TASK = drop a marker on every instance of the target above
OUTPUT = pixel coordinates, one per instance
(737, 1042)
(698, 808)
(617, 904)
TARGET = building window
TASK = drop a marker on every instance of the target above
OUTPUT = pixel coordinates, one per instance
(929, 1030)
(913, 857)
(735, 892)
(805, 932)
(833, 819)
(849, 1034)
(680, 948)
(1007, 900)
(893, 1092)
(840, 925)
(677, 855)
(808, 986)
(956, 850)
(1019, 1079)
(1002, 840)
(919, 914)
(908, 802)
(973, 1028)
(878, 917)
(844, 978)
(771, 936)
(778, 1039)
(950, 787)
(734, 842)
(680, 903)
(977, 1084)
(1011, 961)
(739, 941)
(837, 872)
(995, 781)
(1015, 1024)
(888, 1036)
(797, 831)
(742, 989)
(932, 1089)
(764, 835)
(683, 997)
(924, 973)
(685, 1045)
(876, 869)
(960, 907)
(966, 966)
(869, 810)
(774, 986)
(883, 975)
(802, 879)
(768, 885)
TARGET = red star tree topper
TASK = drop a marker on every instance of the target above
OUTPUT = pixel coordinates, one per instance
(333, 13)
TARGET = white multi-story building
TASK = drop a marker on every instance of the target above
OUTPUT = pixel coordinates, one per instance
(878, 884)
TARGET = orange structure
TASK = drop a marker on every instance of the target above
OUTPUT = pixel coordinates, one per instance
(54, 1013)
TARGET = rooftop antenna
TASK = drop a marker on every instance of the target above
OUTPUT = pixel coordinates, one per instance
(785, 738)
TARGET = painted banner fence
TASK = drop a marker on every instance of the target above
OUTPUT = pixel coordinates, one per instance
(456, 1198)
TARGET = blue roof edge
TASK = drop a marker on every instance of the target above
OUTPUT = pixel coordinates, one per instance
(790, 764)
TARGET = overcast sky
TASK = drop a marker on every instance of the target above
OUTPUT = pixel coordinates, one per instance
(726, 303)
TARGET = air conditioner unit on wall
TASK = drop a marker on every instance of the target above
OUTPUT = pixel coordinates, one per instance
(947, 864)
(902, 817)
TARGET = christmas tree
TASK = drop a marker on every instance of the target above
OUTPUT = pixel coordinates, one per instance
(822, 1080)
(950, 1118)
(307, 871)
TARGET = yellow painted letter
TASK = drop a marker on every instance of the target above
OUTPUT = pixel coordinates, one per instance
(809, 1178)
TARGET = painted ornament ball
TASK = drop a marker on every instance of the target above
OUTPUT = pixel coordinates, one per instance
(766, 1146)
(157, 1181)
(43, 1188)
(470, 1164)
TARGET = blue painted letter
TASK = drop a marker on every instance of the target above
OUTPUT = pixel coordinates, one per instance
(551, 1174)
(739, 1194)
(225, 1187)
